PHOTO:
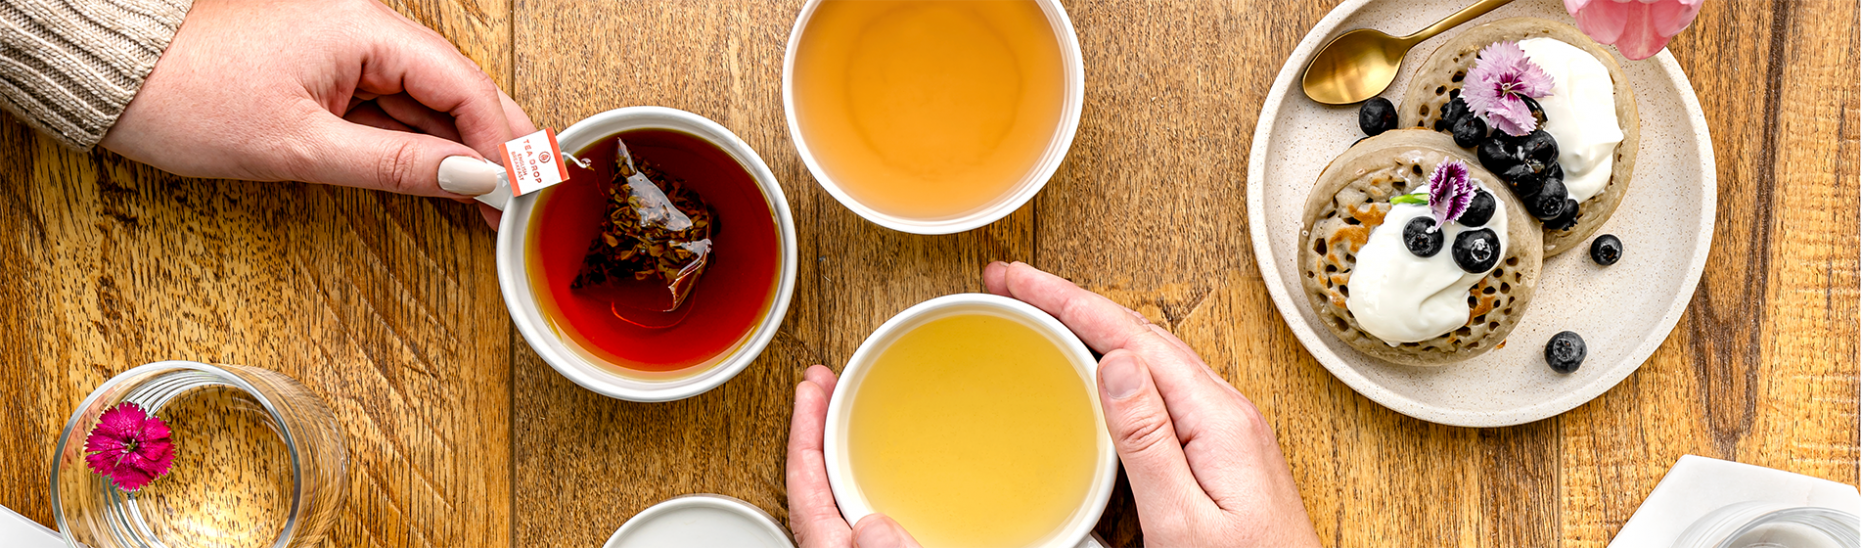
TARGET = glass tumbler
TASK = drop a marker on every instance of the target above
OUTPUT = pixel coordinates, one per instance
(1761, 524)
(259, 461)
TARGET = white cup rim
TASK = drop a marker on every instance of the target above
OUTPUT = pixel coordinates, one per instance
(513, 276)
(1073, 67)
(852, 501)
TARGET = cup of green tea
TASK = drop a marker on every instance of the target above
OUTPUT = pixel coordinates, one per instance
(928, 116)
(645, 315)
(972, 420)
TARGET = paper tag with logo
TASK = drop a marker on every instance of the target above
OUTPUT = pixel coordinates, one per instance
(534, 162)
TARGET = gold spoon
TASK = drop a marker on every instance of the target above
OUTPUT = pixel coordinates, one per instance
(1361, 63)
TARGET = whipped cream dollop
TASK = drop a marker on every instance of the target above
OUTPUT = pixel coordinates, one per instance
(1579, 113)
(1400, 297)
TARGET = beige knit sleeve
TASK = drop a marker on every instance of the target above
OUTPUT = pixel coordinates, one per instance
(69, 67)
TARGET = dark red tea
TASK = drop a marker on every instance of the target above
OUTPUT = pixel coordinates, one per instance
(729, 299)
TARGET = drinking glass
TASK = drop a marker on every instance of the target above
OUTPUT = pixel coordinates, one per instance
(260, 461)
(1761, 524)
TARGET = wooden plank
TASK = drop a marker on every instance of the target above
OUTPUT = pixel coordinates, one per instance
(387, 306)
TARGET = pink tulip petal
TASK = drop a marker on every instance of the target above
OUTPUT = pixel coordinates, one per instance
(1638, 40)
(1574, 6)
(1672, 17)
(1603, 21)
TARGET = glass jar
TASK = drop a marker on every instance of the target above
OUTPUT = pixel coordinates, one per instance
(1762, 524)
(259, 461)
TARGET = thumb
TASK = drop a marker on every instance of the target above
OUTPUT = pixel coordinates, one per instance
(349, 154)
(1140, 427)
(879, 531)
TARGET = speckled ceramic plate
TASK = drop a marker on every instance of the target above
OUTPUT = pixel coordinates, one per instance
(1623, 312)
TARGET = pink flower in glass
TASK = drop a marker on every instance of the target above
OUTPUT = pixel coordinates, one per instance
(1638, 28)
(1497, 85)
(129, 446)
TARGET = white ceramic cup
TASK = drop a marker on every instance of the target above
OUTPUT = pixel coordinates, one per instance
(514, 276)
(847, 494)
(1073, 70)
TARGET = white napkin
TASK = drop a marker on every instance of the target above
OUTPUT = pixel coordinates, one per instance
(19, 532)
(1698, 485)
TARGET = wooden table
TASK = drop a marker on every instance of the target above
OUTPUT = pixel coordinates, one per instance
(459, 435)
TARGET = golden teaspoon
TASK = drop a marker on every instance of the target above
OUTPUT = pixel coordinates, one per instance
(1361, 63)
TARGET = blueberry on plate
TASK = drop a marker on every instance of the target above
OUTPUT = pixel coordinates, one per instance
(1455, 110)
(1468, 131)
(1421, 238)
(1606, 249)
(1480, 210)
(1476, 251)
(1548, 203)
(1566, 219)
(1539, 145)
(1565, 352)
(1493, 155)
(1376, 116)
(1537, 111)
(1523, 180)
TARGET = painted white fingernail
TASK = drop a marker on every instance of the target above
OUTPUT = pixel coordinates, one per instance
(468, 176)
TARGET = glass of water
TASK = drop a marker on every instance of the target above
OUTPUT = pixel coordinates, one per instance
(259, 462)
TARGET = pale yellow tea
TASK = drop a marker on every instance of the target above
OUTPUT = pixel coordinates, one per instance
(928, 109)
(972, 431)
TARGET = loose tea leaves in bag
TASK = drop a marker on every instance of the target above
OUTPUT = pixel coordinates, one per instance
(654, 243)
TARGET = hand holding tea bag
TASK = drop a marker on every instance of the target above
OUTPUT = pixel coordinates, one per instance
(812, 514)
(342, 92)
(1204, 465)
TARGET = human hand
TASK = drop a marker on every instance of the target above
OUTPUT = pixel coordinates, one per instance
(1204, 466)
(812, 514)
(342, 92)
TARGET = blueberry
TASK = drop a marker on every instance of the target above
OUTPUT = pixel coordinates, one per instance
(1422, 241)
(1536, 110)
(1455, 110)
(1606, 249)
(1480, 210)
(1554, 171)
(1567, 219)
(1565, 352)
(1540, 146)
(1452, 112)
(1493, 154)
(1476, 251)
(1524, 181)
(1548, 204)
(1376, 116)
(1468, 131)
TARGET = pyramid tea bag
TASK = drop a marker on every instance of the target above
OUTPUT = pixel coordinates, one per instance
(655, 242)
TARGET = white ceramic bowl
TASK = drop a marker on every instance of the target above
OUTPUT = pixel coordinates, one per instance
(701, 520)
(514, 278)
(847, 494)
(1073, 69)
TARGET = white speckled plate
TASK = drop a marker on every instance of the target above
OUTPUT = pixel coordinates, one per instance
(1623, 312)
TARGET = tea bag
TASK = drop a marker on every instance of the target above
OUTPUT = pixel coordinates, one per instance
(654, 243)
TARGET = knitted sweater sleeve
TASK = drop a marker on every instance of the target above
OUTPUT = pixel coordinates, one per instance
(69, 67)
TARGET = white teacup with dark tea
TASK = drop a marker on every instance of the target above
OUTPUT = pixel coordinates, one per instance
(972, 420)
(661, 267)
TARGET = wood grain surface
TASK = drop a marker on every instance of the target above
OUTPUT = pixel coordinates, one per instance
(459, 435)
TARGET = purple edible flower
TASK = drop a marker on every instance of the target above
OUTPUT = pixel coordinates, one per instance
(1450, 191)
(1498, 84)
(129, 446)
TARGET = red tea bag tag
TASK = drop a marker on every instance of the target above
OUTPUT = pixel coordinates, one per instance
(534, 162)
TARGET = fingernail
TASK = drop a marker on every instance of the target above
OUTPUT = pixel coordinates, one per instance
(1121, 375)
(882, 534)
(468, 176)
